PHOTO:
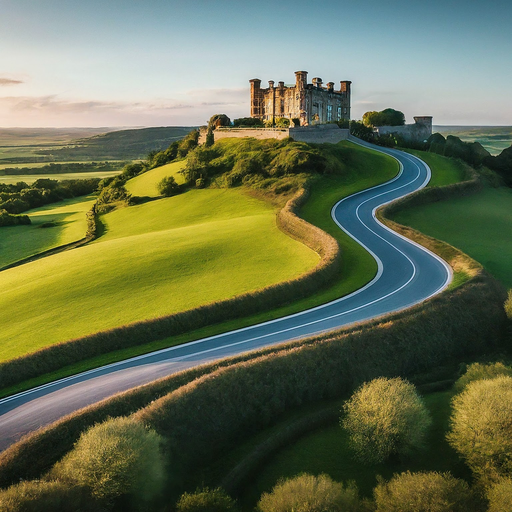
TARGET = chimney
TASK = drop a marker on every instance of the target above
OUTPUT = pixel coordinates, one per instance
(330, 86)
(317, 82)
(271, 84)
(301, 79)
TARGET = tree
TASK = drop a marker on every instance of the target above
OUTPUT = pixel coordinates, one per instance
(478, 371)
(206, 500)
(500, 496)
(119, 457)
(422, 492)
(385, 417)
(218, 120)
(308, 493)
(168, 186)
(387, 117)
(481, 427)
(508, 305)
(210, 138)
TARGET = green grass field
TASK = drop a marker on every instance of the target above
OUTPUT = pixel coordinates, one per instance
(30, 178)
(327, 451)
(118, 280)
(479, 225)
(154, 259)
(445, 171)
(145, 185)
(19, 242)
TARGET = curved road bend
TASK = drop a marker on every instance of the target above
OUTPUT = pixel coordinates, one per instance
(407, 274)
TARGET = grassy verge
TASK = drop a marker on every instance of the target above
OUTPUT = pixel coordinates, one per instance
(445, 171)
(68, 225)
(478, 224)
(30, 178)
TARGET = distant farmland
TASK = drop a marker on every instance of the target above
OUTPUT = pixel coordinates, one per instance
(493, 138)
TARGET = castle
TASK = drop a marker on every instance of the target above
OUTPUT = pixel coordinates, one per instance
(310, 104)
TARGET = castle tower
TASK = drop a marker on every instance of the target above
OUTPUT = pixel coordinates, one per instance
(256, 97)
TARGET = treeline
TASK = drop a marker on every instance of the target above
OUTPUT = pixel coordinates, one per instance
(54, 168)
(7, 219)
(20, 197)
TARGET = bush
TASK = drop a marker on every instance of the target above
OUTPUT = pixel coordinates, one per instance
(422, 492)
(41, 496)
(116, 458)
(248, 121)
(385, 417)
(168, 186)
(206, 500)
(478, 371)
(7, 219)
(481, 427)
(508, 305)
(308, 493)
(500, 496)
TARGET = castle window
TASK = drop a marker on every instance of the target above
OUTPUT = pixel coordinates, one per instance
(339, 113)
(329, 112)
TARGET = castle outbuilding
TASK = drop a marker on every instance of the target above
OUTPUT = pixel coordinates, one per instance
(309, 103)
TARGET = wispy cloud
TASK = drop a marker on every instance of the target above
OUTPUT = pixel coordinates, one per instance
(9, 81)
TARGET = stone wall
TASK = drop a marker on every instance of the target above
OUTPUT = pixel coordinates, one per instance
(419, 131)
(319, 133)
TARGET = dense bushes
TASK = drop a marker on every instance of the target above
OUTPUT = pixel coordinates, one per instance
(7, 219)
(206, 500)
(308, 493)
(21, 197)
(423, 492)
(481, 427)
(168, 186)
(479, 371)
(252, 122)
(387, 117)
(385, 417)
(117, 458)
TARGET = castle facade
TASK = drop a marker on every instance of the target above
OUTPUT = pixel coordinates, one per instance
(309, 103)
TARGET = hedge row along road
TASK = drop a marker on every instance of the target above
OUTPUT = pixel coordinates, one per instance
(407, 274)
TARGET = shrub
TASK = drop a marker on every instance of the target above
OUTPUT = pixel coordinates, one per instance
(508, 305)
(422, 492)
(168, 186)
(115, 458)
(500, 496)
(206, 500)
(308, 493)
(481, 427)
(248, 121)
(385, 417)
(478, 371)
(43, 496)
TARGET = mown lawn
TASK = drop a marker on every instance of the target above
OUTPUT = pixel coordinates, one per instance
(445, 171)
(479, 225)
(327, 451)
(155, 259)
(145, 185)
(18, 242)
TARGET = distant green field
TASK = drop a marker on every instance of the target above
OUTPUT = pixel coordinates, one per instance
(154, 259)
(19, 242)
(445, 171)
(30, 178)
(493, 138)
(145, 185)
(479, 225)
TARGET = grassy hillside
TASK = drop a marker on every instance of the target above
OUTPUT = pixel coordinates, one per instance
(18, 242)
(146, 184)
(478, 224)
(493, 138)
(445, 171)
(155, 259)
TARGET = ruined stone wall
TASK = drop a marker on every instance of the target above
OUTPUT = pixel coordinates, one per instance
(316, 134)
(419, 131)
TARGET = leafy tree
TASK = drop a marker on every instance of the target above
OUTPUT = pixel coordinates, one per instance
(187, 144)
(422, 492)
(210, 138)
(218, 120)
(308, 493)
(500, 496)
(360, 130)
(481, 427)
(478, 371)
(248, 121)
(281, 122)
(206, 500)
(46, 496)
(168, 186)
(508, 305)
(119, 457)
(385, 417)
(387, 117)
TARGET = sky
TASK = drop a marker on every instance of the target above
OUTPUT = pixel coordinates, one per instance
(113, 63)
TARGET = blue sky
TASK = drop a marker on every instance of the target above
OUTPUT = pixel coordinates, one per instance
(176, 62)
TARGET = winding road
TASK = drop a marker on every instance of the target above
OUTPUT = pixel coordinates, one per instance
(407, 274)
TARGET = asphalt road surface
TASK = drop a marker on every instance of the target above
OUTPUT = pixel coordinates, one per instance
(407, 274)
